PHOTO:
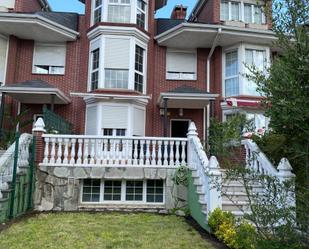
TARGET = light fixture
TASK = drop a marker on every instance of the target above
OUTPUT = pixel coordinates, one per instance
(180, 112)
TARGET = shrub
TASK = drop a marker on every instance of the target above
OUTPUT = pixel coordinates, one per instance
(227, 233)
(245, 236)
(218, 217)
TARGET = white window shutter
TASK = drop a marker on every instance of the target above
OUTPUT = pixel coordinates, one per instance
(46, 55)
(138, 122)
(3, 50)
(91, 120)
(115, 117)
(181, 62)
(117, 53)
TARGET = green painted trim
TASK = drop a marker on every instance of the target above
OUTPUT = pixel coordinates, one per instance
(194, 205)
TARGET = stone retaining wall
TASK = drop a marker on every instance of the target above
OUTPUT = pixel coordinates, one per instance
(58, 188)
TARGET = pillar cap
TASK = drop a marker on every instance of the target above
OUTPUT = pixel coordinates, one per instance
(39, 126)
(192, 131)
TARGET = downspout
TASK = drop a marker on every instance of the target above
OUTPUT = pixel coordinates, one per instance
(214, 45)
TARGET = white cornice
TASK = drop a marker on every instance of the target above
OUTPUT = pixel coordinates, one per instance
(113, 30)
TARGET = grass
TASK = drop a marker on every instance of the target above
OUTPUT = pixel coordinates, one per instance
(102, 231)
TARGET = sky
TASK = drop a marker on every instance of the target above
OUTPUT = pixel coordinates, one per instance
(76, 6)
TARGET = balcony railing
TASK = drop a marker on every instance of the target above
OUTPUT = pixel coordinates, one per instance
(89, 151)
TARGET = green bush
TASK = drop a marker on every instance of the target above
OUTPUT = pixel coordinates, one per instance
(218, 217)
(235, 235)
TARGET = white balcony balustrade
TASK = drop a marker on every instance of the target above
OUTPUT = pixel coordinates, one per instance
(90, 151)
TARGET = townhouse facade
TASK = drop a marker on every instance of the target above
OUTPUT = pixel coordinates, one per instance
(117, 71)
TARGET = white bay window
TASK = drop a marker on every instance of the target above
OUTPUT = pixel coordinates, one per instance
(117, 63)
(120, 11)
(237, 62)
(115, 119)
(241, 11)
(181, 65)
(49, 58)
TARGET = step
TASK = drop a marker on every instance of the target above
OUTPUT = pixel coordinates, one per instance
(195, 174)
(203, 204)
(240, 188)
(202, 197)
(235, 196)
(197, 182)
(235, 206)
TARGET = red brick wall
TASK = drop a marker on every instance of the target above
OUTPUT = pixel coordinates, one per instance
(27, 6)
(74, 80)
(210, 13)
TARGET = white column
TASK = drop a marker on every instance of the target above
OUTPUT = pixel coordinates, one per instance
(214, 199)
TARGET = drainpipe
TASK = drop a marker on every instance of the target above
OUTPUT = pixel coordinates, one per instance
(214, 45)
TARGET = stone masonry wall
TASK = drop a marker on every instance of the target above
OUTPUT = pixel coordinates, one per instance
(59, 188)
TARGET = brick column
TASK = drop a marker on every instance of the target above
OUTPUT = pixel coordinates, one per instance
(38, 131)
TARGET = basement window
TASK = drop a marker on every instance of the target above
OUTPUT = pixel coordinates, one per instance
(123, 191)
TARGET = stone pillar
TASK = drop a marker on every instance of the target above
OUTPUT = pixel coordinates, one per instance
(191, 135)
(38, 131)
(285, 174)
(214, 185)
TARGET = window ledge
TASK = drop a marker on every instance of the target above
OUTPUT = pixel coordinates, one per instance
(47, 74)
(192, 80)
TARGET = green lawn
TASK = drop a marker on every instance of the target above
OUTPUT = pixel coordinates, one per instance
(102, 231)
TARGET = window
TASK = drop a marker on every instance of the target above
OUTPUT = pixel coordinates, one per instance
(112, 190)
(259, 120)
(49, 59)
(97, 15)
(224, 11)
(95, 69)
(91, 190)
(117, 58)
(181, 65)
(114, 132)
(240, 11)
(141, 13)
(231, 74)
(119, 11)
(256, 58)
(134, 191)
(139, 69)
(235, 11)
(248, 13)
(143, 191)
(154, 191)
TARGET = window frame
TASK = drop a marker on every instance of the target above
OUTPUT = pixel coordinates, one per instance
(95, 70)
(181, 74)
(124, 192)
(241, 64)
(48, 45)
(242, 12)
(224, 78)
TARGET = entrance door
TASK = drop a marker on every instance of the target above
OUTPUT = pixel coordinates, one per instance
(179, 128)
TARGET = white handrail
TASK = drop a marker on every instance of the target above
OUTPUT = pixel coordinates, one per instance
(7, 160)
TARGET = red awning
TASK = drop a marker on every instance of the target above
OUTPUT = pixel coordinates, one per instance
(243, 102)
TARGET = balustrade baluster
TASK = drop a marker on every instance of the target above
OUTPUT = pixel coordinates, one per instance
(46, 150)
(92, 151)
(165, 154)
(117, 151)
(105, 152)
(171, 153)
(129, 151)
(123, 151)
(99, 152)
(135, 154)
(147, 152)
(72, 154)
(177, 153)
(159, 152)
(153, 155)
(141, 154)
(66, 151)
(86, 151)
(53, 151)
(183, 153)
(80, 151)
(59, 151)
